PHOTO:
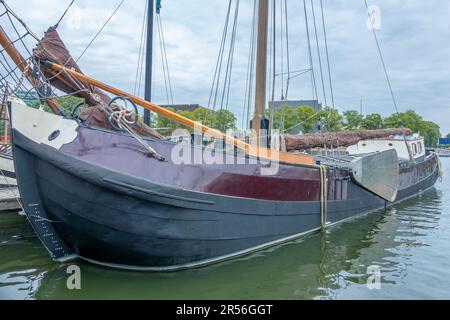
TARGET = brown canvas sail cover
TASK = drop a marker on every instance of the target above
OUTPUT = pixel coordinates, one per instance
(340, 139)
(52, 48)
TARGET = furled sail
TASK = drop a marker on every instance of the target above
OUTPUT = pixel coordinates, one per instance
(340, 139)
(52, 48)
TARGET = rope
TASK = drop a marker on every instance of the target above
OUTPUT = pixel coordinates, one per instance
(320, 59)
(388, 79)
(288, 59)
(124, 125)
(218, 68)
(137, 83)
(64, 14)
(311, 62)
(165, 61)
(230, 59)
(323, 196)
(394, 100)
(100, 31)
(10, 11)
(327, 55)
(227, 84)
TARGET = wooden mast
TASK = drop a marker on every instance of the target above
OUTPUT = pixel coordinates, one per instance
(149, 61)
(261, 67)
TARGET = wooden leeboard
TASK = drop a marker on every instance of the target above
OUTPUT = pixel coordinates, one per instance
(378, 173)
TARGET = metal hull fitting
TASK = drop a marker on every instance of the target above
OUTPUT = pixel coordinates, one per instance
(82, 204)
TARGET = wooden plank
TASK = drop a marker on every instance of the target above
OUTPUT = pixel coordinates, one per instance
(9, 199)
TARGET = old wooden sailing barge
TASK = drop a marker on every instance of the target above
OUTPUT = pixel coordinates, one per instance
(117, 198)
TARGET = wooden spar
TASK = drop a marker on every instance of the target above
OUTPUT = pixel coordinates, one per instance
(261, 67)
(21, 63)
(248, 149)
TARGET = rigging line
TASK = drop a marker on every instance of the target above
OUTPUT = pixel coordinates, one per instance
(249, 82)
(220, 61)
(8, 9)
(165, 57)
(283, 106)
(141, 49)
(270, 54)
(287, 49)
(222, 43)
(163, 62)
(327, 55)
(311, 62)
(19, 35)
(320, 60)
(218, 68)
(299, 74)
(294, 72)
(141, 74)
(382, 59)
(29, 32)
(274, 65)
(64, 14)
(282, 46)
(394, 100)
(100, 31)
(227, 83)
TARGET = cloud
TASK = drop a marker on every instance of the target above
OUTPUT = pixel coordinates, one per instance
(414, 40)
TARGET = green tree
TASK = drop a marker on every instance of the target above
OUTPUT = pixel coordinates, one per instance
(224, 120)
(353, 119)
(410, 119)
(331, 119)
(431, 131)
(307, 118)
(204, 115)
(66, 103)
(372, 121)
(290, 116)
(221, 120)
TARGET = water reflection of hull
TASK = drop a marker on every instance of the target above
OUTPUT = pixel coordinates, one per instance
(316, 266)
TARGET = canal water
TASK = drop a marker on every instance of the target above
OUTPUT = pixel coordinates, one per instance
(407, 248)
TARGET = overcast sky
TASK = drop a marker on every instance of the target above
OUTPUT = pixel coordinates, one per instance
(414, 36)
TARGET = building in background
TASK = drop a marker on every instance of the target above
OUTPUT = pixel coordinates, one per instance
(444, 142)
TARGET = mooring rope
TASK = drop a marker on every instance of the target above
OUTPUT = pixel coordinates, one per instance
(323, 196)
